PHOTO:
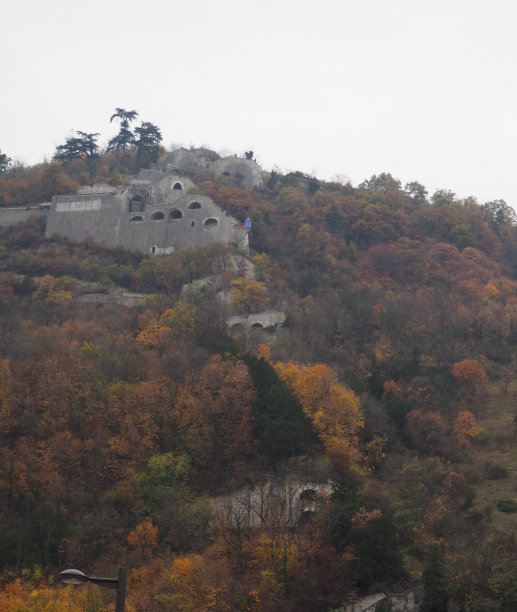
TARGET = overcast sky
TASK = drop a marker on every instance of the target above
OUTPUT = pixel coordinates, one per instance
(423, 89)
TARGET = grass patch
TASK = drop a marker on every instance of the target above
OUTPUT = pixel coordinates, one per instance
(497, 457)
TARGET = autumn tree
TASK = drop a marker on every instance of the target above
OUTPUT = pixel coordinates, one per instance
(426, 430)
(465, 427)
(248, 294)
(471, 378)
(333, 407)
(143, 539)
(381, 182)
(213, 415)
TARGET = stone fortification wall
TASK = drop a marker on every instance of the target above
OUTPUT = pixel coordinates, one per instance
(246, 172)
(155, 213)
(12, 216)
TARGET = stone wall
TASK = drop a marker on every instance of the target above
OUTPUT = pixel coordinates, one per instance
(246, 172)
(12, 216)
(156, 213)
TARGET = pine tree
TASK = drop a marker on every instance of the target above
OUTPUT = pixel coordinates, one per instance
(436, 593)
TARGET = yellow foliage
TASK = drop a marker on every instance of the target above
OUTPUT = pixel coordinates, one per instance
(382, 349)
(154, 334)
(334, 408)
(492, 292)
(17, 598)
(248, 293)
(180, 319)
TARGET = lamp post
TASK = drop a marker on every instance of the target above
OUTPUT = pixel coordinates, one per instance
(73, 576)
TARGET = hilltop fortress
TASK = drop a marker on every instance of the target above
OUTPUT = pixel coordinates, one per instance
(158, 211)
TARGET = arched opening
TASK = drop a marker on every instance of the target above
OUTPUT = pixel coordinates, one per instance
(308, 499)
(308, 495)
(194, 205)
(192, 223)
(258, 326)
(211, 222)
(175, 214)
(178, 186)
(226, 174)
(157, 216)
(137, 203)
(136, 219)
(153, 250)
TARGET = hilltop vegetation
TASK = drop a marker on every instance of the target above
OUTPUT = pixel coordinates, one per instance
(394, 377)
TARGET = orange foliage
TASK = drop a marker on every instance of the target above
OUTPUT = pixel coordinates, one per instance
(143, 538)
(390, 386)
(465, 427)
(469, 371)
(362, 517)
(264, 352)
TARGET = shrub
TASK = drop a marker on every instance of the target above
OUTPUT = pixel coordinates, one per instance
(507, 505)
(495, 471)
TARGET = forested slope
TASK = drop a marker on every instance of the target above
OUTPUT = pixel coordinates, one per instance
(120, 427)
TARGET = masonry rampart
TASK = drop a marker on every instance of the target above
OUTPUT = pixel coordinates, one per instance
(158, 212)
(12, 216)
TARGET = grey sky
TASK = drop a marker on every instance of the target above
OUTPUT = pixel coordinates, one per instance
(426, 90)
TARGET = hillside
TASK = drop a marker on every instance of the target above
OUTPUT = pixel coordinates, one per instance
(385, 405)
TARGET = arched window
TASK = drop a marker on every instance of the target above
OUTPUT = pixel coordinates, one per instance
(194, 205)
(211, 222)
(136, 219)
(192, 223)
(178, 186)
(157, 216)
(137, 204)
(175, 214)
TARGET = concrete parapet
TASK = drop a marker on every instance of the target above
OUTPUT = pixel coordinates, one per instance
(131, 300)
(12, 216)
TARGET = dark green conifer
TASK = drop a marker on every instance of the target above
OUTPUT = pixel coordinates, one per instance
(436, 591)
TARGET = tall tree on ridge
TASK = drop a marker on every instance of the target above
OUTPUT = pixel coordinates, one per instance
(125, 138)
(147, 143)
(85, 147)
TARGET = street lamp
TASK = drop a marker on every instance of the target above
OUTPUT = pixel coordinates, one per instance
(73, 576)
